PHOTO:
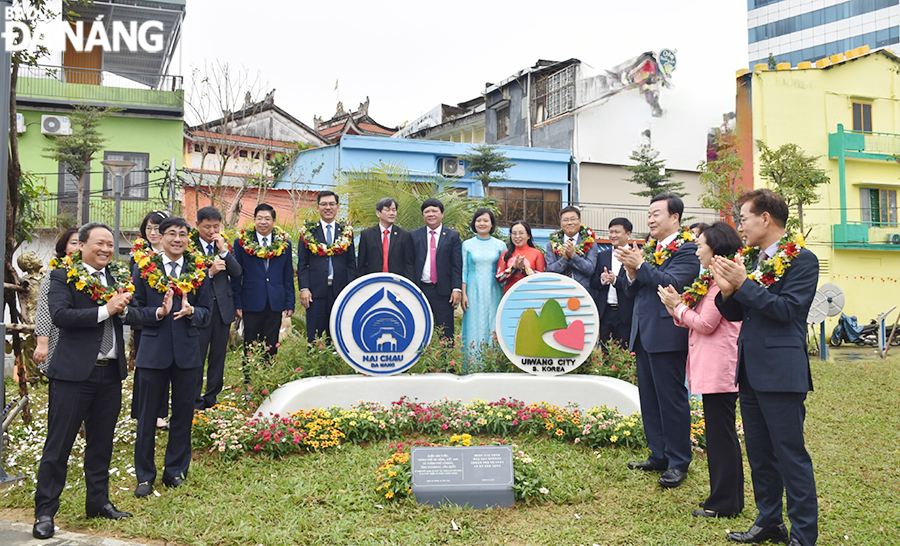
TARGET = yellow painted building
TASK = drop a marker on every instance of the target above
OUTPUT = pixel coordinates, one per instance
(845, 109)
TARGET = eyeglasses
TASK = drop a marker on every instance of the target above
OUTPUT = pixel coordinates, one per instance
(176, 234)
(745, 218)
(152, 228)
(328, 205)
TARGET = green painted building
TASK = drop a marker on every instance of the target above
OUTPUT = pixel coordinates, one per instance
(149, 131)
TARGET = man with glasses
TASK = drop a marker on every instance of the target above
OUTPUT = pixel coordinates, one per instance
(169, 352)
(264, 291)
(321, 278)
(567, 256)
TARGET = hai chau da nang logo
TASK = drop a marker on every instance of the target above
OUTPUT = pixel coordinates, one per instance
(82, 35)
(380, 324)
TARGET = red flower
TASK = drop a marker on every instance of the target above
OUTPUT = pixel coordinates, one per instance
(768, 279)
(672, 246)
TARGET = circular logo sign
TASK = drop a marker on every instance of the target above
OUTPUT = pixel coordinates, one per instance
(380, 323)
(547, 324)
(667, 60)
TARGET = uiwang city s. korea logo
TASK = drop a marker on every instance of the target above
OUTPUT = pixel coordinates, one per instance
(381, 323)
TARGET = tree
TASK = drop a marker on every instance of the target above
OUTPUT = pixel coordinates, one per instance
(651, 173)
(75, 151)
(772, 62)
(483, 161)
(792, 174)
(720, 174)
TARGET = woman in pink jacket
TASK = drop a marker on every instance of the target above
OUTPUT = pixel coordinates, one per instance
(711, 370)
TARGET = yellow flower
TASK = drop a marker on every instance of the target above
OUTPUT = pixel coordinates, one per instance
(260, 254)
(778, 266)
(614, 439)
(144, 262)
(658, 256)
(185, 286)
(80, 284)
(800, 240)
(688, 235)
(71, 273)
(700, 288)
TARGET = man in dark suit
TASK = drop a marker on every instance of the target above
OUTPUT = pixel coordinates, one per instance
(610, 287)
(214, 338)
(374, 240)
(264, 291)
(438, 264)
(169, 353)
(659, 345)
(569, 262)
(321, 278)
(773, 371)
(86, 374)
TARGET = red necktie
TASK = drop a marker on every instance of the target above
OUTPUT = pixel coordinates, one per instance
(384, 252)
(432, 253)
(658, 247)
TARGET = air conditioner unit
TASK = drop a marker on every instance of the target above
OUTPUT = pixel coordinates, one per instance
(20, 123)
(893, 238)
(450, 166)
(56, 125)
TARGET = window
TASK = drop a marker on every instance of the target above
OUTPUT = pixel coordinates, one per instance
(538, 207)
(242, 153)
(137, 185)
(554, 94)
(862, 117)
(878, 207)
(503, 122)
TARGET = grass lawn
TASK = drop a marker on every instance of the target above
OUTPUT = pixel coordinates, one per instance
(853, 434)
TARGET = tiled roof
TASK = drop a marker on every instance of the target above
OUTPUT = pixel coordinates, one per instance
(375, 129)
(263, 142)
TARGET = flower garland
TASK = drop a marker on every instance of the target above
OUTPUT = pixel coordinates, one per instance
(195, 247)
(694, 293)
(140, 249)
(585, 234)
(152, 270)
(340, 244)
(248, 242)
(769, 271)
(657, 258)
(77, 273)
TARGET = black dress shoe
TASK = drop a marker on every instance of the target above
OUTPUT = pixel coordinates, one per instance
(43, 527)
(177, 481)
(107, 511)
(710, 514)
(756, 533)
(672, 477)
(647, 465)
(143, 489)
(795, 542)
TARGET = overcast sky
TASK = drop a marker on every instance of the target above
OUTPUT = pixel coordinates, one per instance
(408, 56)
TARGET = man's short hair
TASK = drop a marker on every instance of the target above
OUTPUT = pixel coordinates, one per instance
(173, 221)
(432, 202)
(570, 208)
(326, 193)
(386, 202)
(673, 203)
(262, 207)
(766, 201)
(624, 222)
(84, 232)
(209, 213)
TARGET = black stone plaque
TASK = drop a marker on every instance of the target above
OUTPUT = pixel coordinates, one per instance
(475, 476)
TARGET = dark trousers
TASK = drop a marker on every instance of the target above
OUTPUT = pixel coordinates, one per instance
(96, 402)
(154, 383)
(615, 325)
(262, 327)
(163, 411)
(723, 455)
(779, 462)
(665, 407)
(441, 308)
(318, 316)
(213, 348)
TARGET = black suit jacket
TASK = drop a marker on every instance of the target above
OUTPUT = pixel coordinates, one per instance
(659, 333)
(772, 343)
(601, 291)
(168, 339)
(371, 257)
(258, 284)
(75, 314)
(448, 257)
(222, 288)
(312, 269)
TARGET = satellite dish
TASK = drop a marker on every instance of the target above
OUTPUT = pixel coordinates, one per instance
(828, 302)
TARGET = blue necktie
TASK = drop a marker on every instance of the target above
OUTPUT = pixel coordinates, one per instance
(209, 249)
(328, 240)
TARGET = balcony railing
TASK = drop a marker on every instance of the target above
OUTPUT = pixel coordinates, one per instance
(863, 145)
(85, 85)
(866, 236)
(61, 211)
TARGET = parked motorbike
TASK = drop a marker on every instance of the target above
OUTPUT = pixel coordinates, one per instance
(847, 330)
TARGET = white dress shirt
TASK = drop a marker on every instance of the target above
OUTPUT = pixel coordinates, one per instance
(102, 312)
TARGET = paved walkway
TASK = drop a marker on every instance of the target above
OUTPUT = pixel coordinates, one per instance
(19, 534)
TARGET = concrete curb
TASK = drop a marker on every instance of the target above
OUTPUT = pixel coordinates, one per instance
(19, 534)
